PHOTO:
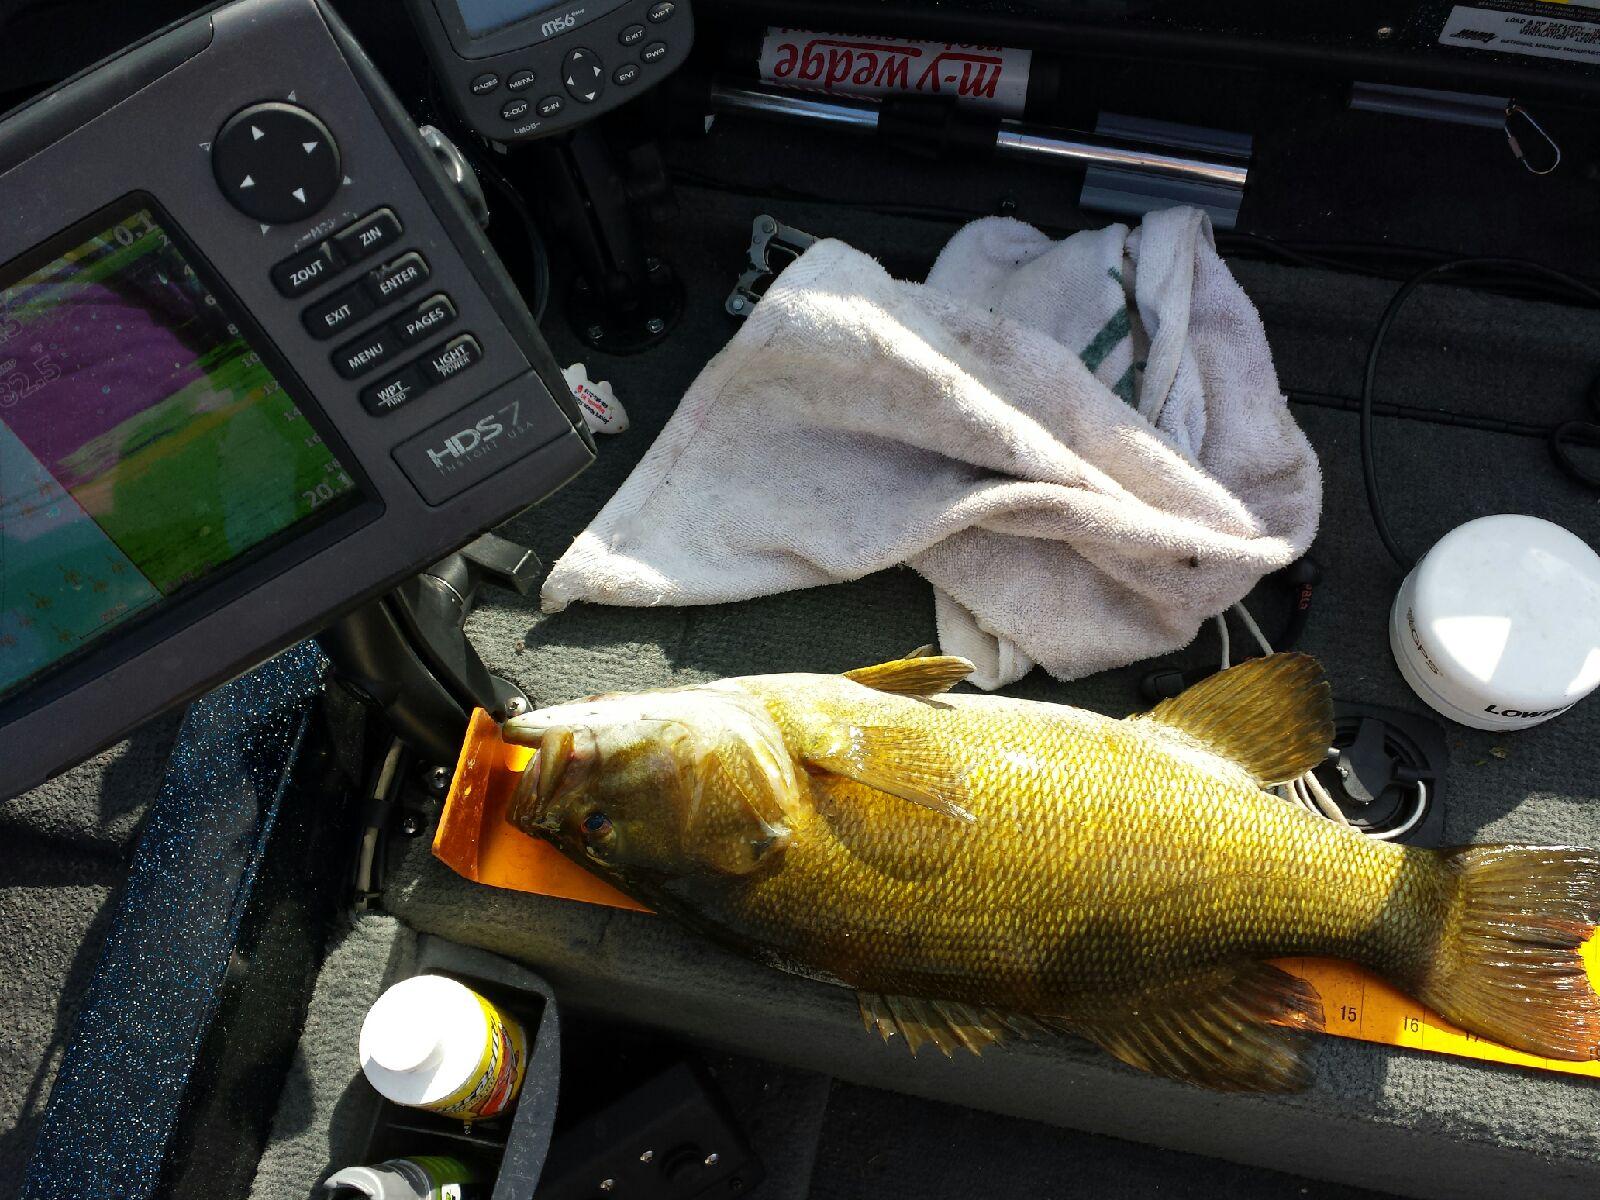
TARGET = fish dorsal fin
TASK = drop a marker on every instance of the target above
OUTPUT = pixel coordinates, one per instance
(1273, 716)
(928, 675)
(901, 762)
(1234, 1031)
(947, 1024)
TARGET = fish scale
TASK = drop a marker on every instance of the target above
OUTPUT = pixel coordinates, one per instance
(976, 865)
(1074, 880)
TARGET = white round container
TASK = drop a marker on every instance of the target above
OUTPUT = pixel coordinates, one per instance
(1498, 627)
(431, 1042)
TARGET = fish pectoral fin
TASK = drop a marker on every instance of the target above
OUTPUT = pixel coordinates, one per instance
(741, 775)
(917, 674)
(1241, 1035)
(946, 1024)
(901, 762)
(1273, 716)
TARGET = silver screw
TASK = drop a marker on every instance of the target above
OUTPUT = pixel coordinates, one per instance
(596, 332)
(713, 1159)
(410, 826)
(655, 325)
(738, 303)
(768, 225)
(439, 778)
(516, 706)
(1385, 31)
(648, 1156)
(607, 1184)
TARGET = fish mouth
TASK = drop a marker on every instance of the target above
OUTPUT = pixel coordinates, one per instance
(560, 764)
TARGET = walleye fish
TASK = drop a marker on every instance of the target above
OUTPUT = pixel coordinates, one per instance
(977, 866)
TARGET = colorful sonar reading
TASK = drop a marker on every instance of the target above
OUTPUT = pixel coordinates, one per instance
(143, 442)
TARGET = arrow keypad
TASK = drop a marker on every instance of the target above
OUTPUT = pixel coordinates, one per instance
(276, 163)
(584, 74)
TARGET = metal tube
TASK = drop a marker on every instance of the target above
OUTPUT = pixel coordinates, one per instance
(1020, 141)
(788, 106)
(1015, 139)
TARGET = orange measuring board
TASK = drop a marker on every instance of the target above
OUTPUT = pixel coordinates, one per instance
(475, 841)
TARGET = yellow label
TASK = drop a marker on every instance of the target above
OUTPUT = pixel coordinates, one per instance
(1357, 1004)
(496, 1080)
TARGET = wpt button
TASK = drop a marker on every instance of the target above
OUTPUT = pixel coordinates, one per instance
(394, 391)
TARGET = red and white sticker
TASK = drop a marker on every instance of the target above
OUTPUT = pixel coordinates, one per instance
(990, 77)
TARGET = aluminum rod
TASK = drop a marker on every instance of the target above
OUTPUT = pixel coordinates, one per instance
(1015, 139)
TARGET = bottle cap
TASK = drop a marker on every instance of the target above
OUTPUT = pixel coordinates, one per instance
(399, 1037)
(1498, 626)
(423, 1039)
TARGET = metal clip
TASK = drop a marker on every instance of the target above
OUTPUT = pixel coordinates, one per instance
(773, 246)
(1513, 109)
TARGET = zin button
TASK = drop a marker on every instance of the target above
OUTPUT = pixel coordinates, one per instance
(584, 76)
(654, 52)
(404, 274)
(307, 270)
(339, 311)
(453, 358)
(551, 106)
(365, 354)
(394, 391)
(432, 314)
(373, 234)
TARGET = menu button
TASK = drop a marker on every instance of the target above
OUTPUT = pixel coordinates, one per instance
(365, 355)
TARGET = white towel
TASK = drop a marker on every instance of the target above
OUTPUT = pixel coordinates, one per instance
(1081, 444)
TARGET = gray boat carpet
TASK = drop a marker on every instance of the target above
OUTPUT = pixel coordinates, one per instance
(1413, 1123)
(1405, 1122)
(65, 853)
(814, 1136)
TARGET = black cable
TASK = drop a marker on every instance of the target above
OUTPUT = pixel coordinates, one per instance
(466, 141)
(1560, 282)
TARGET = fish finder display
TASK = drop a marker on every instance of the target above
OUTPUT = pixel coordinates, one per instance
(144, 444)
(485, 16)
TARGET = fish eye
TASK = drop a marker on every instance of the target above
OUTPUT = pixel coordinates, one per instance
(596, 825)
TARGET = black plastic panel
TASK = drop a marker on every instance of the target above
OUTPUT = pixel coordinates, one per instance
(295, 52)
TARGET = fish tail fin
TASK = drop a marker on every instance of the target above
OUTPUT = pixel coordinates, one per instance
(1509, 963)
